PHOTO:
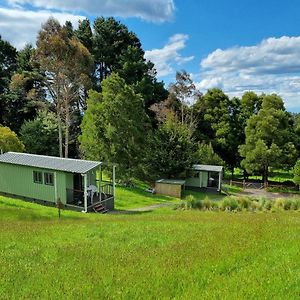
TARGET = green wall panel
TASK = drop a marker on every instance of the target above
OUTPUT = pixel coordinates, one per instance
(18, 180)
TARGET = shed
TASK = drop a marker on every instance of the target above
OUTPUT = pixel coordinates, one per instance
(77, 183)
(203, 176)
(170, 187)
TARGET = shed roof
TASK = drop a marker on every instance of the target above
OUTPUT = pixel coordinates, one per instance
(49, 162)
(208, 168)
(171, 181)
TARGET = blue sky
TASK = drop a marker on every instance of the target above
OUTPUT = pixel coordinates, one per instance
(234, 45)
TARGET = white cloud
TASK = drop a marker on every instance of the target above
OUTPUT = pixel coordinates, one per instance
(273, 66)
(154, 10)
(166, 57)
(20, 27)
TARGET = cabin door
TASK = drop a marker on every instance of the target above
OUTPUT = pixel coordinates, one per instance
(77, 182)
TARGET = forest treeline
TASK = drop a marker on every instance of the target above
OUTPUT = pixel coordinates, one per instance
(89, 92)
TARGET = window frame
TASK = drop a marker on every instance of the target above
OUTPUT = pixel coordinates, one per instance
(47, 176)
(38, 175)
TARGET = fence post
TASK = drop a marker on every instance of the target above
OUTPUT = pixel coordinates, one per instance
(230, 182)
(244, 183)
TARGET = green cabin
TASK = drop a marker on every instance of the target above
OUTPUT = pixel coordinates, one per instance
(76, 183)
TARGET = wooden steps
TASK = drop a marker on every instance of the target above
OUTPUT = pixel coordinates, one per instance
(100, 208)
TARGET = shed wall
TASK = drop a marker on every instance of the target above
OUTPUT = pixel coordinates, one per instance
(18, 180)
(173, 190)
(200, 181)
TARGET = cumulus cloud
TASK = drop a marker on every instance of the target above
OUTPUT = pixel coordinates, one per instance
(154, 10)
(20, 27)
(165, 58)
(273, 66)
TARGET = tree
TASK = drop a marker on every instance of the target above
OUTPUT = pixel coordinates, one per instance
(67, 65)
(185, 90)
(84, 34)
(118, 50)
(296, 172)
(221, 116)
(40, 136)
(171, 149)
(8, 65)
(205, 155)
(9, 141)
(111, 39)
(115, 126)
(267, 138)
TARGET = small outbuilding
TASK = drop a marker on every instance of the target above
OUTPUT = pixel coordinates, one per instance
(170, 187)
(76, 183)
(205, 176)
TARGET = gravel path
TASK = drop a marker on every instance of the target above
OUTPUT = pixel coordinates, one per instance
(141, 209)
(265, 194)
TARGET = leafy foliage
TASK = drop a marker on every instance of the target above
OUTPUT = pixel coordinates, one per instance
(40, 136)
(67, 65)
(267, 137)
(206, 155)
(171, 149)
(296, 172)
(115, 126)
(9, 141)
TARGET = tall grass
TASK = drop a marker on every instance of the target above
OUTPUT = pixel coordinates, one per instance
(241, 203)
(166, 254)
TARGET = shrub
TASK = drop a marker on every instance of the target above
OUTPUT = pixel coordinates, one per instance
(295, 204)
(207, 204)
(255, 205)
(279, 203)
(244, 202)
(197, 204)
(229, 203)
(267, 204)
(287, 204)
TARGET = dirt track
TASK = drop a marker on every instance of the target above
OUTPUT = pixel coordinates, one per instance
(265, 194)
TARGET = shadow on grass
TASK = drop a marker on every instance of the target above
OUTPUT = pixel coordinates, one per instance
(129, 212)
(141, 192)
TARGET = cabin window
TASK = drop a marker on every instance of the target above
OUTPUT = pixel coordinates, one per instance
(48, 178)
(37, 177)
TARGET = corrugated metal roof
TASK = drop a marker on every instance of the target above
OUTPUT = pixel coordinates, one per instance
(171, 181)
(49, 162)
(208, 168)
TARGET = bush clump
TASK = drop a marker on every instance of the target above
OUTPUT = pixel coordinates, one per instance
(232, 203)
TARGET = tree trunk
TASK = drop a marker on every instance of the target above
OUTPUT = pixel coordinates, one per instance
(67, 129)
(60, 141)
(265, 175)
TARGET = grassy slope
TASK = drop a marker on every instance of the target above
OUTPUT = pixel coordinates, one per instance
(163, 254)
(274, 175)
(128, 198)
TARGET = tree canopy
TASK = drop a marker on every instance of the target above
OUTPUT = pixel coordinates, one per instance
(115, 126)
(9, 141)
(267, 137)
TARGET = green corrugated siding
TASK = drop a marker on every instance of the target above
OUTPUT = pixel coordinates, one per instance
(18, 180)
(92, 177)
(200, 181)
(69, 181)
(204, 179)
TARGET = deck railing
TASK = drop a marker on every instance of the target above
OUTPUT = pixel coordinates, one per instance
(76, 197)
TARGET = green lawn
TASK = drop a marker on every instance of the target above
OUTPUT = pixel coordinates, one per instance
(137, 197)
(158, 255)
(274, 175)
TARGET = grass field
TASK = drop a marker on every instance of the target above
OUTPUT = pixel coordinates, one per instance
(275, 175)
(155, 255)
(137, 197)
